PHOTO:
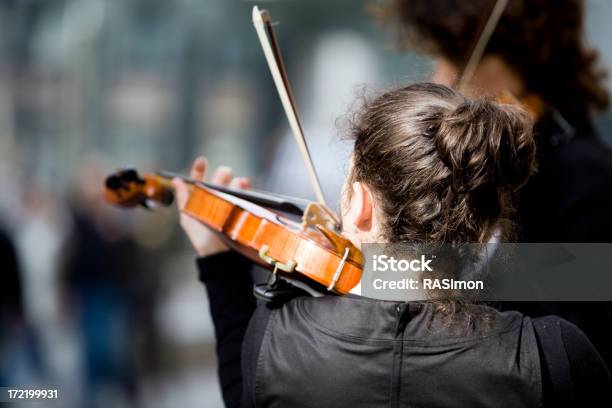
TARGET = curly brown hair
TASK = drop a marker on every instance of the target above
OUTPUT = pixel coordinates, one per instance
(541, 40)
(444, 167)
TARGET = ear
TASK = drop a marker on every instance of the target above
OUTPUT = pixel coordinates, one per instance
(361, 206)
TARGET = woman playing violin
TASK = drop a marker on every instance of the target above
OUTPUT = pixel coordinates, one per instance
(428, 165)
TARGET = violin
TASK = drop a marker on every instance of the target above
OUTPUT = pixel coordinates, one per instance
(295, 239)
(264, 227)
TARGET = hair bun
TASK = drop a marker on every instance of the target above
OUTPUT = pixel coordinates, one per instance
(487, 145)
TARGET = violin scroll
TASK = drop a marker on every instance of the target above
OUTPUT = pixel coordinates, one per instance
(127, 188)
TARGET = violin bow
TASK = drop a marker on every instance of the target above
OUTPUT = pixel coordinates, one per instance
(269, 43)
(481, 44)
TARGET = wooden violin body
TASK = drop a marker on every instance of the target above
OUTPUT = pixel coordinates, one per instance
(306, 250)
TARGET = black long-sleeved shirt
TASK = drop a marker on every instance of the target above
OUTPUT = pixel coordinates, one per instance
(566, 355)
(229, 286)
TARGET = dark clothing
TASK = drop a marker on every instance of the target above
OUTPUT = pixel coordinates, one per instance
(99, 274)
(351, 351)
(11, 297)
(230, 293)
(569, 199)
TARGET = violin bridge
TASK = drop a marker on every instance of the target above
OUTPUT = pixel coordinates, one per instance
(318, 214)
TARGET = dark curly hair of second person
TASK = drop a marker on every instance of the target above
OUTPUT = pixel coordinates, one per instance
(541, 40)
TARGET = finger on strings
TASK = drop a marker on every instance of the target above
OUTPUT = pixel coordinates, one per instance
(198, 168)
(241, 183)
(222, 176)
(181, 192)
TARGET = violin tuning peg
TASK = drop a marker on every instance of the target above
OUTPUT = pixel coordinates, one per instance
(113, 182)
(131, 175)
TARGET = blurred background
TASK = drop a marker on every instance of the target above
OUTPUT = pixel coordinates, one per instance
(103, 303)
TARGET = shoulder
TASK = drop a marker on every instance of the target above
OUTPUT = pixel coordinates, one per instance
(573, 372)
(585, 363)
(574, 341)
(581, 353)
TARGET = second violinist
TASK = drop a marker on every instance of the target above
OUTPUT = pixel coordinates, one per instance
(428, 165)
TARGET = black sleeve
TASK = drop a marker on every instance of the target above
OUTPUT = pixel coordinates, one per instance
(573, 372)
(229, 286)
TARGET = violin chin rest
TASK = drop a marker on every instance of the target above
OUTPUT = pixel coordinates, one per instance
(277, 290)
(280, 290)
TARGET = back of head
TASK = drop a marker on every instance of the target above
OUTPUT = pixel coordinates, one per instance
(444, 168)
(541, 40)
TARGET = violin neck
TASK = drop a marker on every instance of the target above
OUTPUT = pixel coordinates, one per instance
(277, 202)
